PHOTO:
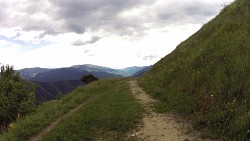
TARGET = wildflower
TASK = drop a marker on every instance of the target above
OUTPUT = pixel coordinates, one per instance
(12, 126)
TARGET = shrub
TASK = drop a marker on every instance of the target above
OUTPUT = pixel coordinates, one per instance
(16, 96)
(88, 78)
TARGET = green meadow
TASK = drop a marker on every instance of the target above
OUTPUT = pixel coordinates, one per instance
(109, 112)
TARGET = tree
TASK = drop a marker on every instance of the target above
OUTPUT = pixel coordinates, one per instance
(88, 78)
(17, 96)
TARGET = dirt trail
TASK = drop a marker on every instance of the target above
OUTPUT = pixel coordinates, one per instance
(157, 126)
(39, 136)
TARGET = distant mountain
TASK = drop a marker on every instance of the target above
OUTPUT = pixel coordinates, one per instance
(94, 68)
(75, 72)
(62, 74)
(71, 73)
(49, 90)
(51, 82)
(141, 72)
(29, 73)
(132, 70)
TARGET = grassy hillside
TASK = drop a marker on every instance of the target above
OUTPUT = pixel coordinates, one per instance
(109, 112)
(207, 76)
(110, 115)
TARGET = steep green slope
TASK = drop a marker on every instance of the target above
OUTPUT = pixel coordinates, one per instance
(207, 77)
(109, 111)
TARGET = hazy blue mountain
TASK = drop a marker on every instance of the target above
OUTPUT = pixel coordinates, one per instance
(142, 71)
(71, 73)
(95, 68)
(51, 82)
(29, 73)
(132, 70)
(75, 72)
(62, 74)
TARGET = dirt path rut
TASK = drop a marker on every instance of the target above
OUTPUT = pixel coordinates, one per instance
(157, 126)
(39, 136)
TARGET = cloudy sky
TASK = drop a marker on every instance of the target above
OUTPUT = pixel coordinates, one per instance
(112, 33)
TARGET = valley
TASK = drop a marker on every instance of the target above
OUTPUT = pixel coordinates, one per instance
(51, 83)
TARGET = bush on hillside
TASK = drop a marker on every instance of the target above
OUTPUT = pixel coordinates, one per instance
(88, 78)
(16, 96)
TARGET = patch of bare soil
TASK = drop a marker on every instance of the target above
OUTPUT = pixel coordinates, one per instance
(158, 126)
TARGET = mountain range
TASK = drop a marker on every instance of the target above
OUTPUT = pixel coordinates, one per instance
(29, 73)
(75, 72)
(51, 82)
(142, 71)
(130, 71)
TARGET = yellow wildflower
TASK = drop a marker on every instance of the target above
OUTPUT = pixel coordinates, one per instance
(12, 126)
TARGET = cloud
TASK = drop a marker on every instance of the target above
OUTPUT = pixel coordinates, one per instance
(124, 18)
(95, 14)
(150, 57)
(91, 41)
(134, 32)
(86, 51)
(184, 12)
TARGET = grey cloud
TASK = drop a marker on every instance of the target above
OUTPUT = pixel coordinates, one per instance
(91, 41)
(86, 51)
(95, 14)
(78, 43)
(187, 12)
(83, 8)
(79, 16)
(3, 13)
(48, 31)
(150, 57)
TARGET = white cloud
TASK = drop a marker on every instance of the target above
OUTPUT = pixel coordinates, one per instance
(108, 33)
(4, 43)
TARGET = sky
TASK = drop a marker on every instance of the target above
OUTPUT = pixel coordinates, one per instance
(111, 33)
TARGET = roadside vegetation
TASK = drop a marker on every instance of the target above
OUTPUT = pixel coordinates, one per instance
(110, 112)
(17, 97)
(207, 77)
